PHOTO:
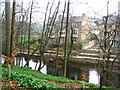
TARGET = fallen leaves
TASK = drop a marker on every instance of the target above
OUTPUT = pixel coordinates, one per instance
(68, 84)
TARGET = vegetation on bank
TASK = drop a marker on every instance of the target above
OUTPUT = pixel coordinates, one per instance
(29, 78)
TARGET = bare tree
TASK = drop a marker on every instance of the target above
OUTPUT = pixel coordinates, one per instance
(29, 29)
(66, 40)
(21, 43)
(0, 44)
(12, 27)
(61, 27)
(8, 26)
(106, 49)
(47, 34)
(8, 32)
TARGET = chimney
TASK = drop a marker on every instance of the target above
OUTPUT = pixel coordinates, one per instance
(83, 15)
(60, 17)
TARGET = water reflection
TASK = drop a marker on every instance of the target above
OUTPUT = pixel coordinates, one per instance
(77, 73)
(31, 64)
(3, 59)
(74, 73)
(94, 77)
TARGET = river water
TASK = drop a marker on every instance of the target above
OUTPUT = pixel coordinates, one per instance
(85, 72)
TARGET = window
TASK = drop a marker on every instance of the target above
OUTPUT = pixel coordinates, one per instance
(62, 40)
(74, 24)
(74, 39)
(62, 32)
(75, 31)
(118, 33)
(110, 26)
(63, 24)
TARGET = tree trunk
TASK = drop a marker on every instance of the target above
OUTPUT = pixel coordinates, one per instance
(56, 67)
(36, 65)
(0, 41)
(21, 44)
(105, 51)
(24, 44)
(8, 32)
(102, 77)
(29, 29)
(8, 26)
(9, 71)
(66, 41)
(12, 28)
(40, 63)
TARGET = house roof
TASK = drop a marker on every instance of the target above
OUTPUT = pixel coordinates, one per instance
(75, 19)
(112, 19)
(119, 20)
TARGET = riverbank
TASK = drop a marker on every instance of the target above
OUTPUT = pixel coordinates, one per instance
(27, 78)
(93, 56)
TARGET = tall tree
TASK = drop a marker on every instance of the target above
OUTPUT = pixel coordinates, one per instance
(8, 27)
(29, 29)
(106, 48)
(12, 27)
(0, 45)
(8, 32)
(66, 41)
(46, 35)
(61, 27)
(21, 43)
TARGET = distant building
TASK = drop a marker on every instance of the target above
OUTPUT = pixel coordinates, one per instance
(81, 33)
(119, 24)
(112, 28)
(96, 25)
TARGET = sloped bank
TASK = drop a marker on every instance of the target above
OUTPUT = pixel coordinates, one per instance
(28, 78)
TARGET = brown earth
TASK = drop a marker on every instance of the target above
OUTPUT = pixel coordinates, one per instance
(68, 84)
(14, 85)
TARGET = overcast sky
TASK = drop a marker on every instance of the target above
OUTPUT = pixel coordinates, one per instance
(77, 7)
(96, 8)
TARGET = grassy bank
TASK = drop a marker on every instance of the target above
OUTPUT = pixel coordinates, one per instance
(29, 78)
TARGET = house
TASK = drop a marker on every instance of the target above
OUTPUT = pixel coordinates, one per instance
(112, 28)
(81, 27)
(119, 24)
